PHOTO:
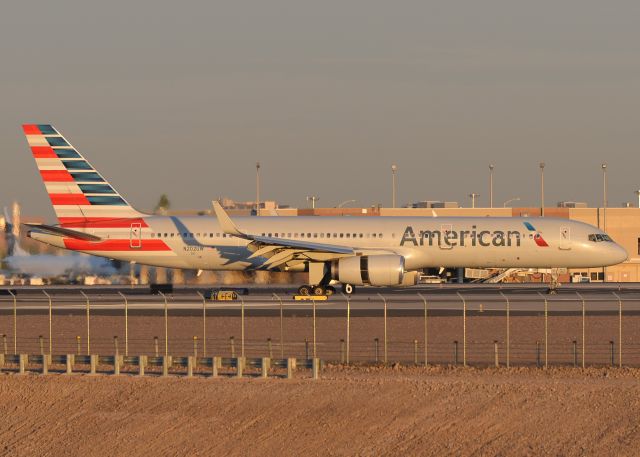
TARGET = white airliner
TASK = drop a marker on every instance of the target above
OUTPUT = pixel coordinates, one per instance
(380, 251)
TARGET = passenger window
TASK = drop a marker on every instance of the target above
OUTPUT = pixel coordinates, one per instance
(374, 235)
(308, 235)
(348, 235)
(322, 235)
(380, 235)
(315, 235)
(172, 235)
(342, 235)
(288, 235)
(361, 235)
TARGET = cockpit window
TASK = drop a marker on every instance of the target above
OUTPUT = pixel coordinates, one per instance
(599, 237)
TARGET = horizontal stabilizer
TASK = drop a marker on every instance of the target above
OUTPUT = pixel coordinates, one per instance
(59, 231)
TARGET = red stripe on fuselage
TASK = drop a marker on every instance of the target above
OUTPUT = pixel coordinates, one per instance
(115, 245)
(43, 152)
(69, 199)
(100, 222)
(56, 176)
(31, 129)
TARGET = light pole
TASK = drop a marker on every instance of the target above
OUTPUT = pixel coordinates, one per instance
(604, 211)
(473, 196)
(257, 188)
(313, 200)
(491, 167)
(637, 192)
(604, 197)
(504, 205)
(542, 189)
(394, 169)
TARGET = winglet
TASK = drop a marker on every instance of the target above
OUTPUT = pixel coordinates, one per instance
(225, 221)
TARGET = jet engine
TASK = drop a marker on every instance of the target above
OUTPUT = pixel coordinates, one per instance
(376, 270)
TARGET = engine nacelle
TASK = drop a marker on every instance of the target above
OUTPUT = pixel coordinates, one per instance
(377, 270)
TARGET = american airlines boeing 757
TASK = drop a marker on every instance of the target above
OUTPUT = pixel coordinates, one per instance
(379, 251)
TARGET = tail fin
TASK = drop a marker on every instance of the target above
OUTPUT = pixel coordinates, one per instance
(79, 194)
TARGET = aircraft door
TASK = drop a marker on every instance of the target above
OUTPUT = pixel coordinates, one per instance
(565, 238)
(445, 229)
(135, 239)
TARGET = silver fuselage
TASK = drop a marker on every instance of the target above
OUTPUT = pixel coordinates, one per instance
(197, 242)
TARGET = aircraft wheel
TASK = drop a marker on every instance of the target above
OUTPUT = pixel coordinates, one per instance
(318, 290)
(330, 290)
(348, 289)
(304, 290)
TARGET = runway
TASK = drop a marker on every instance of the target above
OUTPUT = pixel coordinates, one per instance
(269, 300)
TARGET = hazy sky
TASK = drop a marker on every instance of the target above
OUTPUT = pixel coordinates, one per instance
(184, 97)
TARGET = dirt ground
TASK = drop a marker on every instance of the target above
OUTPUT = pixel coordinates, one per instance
(349, 411)
(405, 337)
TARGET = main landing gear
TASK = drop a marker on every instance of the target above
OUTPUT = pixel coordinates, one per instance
(316, 290)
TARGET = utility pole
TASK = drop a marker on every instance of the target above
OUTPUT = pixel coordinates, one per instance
(257, 188)
(542, 189)
(604, 212)
(491, 167)
(394, 169)
(313, 199)
(473, 196)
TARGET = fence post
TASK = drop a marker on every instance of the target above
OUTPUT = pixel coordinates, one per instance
(204, 324)
(190, 361)
(384, 340)
(242, 325)
(290, 363)
(117, 363)
(495, 353)
(426, 353)
(575, 353)
(15, 321)
(126, 322)
(315, 352)
(348, 325)
(270, 348)
(69, 363)
(115, 345)
(611, 343)
(142, 363)
(415, 352)
(538, 364)
(306, 348)
(455, 352)
(508, 342)
(264, 366)
(281, 326)
(214, 366)
(4, 343)
(45, 364)
(583, 327)
(166, 362)
(88, 313)
(546, 331)
(166, 325)
(239, 366)
(195, 346)
(619, 329)
(232, 341)
(22, 363)
(376, 342)
(78, 340)
(464, 330)
(41, 340)
(341, 351)
(93, 364)
(50, 319)
(315, 368)
(155, 345)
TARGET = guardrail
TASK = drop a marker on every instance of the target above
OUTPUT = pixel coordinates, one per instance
(207, 366)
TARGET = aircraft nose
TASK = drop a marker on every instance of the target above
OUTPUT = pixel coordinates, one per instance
(617, 254)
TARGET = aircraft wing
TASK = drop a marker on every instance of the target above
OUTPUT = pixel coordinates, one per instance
(59, 231)
(282, 250)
